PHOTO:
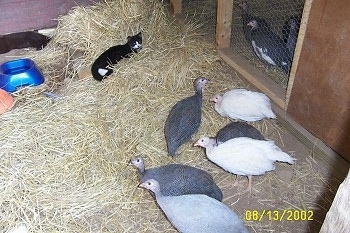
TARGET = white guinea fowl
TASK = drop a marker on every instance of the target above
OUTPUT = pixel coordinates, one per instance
(242, 104)
(196, 213)
(244, 156)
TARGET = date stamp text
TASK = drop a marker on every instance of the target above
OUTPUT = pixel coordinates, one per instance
(279, 215)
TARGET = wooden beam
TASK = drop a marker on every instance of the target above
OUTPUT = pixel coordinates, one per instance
(176, 6)
(298, 48)
(223, 23)
(318, 149)
(260, 80)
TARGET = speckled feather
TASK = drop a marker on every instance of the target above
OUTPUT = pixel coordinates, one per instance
(269, 47)
(179, 179)
(237, 129)
(184, 119)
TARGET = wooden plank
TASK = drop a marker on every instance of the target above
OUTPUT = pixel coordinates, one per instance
(298, 47)
(176, 6)
(19, 16)
(261, 81)
(338, 218)
(224, 23)
(320, 150)
(320, 97)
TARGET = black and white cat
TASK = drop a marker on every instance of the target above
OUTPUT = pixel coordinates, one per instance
(100, 69)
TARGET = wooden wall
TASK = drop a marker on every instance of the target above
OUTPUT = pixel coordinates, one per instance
(23, 15)
(320, 95)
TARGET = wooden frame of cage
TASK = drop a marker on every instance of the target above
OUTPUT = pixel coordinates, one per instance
(252, 74)
(260, 80)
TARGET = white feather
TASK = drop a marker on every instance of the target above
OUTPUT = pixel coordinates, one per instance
(242, 104)
(245, 156)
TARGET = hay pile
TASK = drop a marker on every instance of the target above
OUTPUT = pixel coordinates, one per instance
(64, 161)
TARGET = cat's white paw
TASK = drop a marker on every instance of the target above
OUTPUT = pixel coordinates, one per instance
(102, 72)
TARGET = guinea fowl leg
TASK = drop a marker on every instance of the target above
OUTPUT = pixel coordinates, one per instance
(249, 188)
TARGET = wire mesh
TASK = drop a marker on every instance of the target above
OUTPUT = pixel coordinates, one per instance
(280, 15)
(275, 40)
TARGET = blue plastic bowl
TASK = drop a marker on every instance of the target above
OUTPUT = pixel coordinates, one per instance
(19, 73)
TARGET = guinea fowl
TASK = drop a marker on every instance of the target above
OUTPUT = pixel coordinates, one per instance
(246, 18)
(244, 156)
(269, 47)
(196, 213)
(242, 104)
(236, 130)
(184, 119)
(287, 26)
(179, 179)
(292, 37)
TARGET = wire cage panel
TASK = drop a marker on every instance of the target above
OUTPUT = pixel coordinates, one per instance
(265, 33)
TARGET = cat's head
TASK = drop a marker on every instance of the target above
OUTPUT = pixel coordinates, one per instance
(135, 42)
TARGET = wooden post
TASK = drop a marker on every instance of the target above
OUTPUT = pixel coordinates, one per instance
(338, 218)
(176, 6)
(223, 23)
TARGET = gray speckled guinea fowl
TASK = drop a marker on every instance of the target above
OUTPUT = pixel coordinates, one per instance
(236, 130)
(293, 36)
(196, 213)
(179, 179)
(184, 119)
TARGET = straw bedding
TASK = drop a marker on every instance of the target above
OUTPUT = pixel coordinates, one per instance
(64, 160)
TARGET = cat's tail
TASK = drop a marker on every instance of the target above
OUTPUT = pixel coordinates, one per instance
(99, 72)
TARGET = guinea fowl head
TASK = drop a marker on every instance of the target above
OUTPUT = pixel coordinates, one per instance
(151, 185)
(138, 162)
(216, 98)
(293, 24)
(204, 142)
(244, 6)
(253, 23)
(199, 84)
